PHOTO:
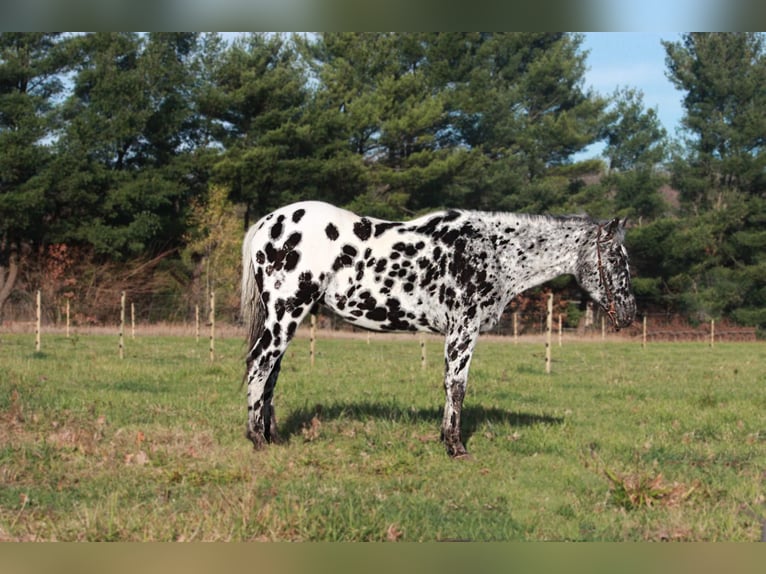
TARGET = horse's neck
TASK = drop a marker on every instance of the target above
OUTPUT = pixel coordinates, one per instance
(536, 249)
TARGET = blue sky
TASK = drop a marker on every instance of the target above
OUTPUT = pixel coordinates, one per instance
(634, 60)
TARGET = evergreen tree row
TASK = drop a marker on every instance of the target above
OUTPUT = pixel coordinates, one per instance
(123, 146)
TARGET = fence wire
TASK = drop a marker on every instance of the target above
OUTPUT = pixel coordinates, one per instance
(170, 319)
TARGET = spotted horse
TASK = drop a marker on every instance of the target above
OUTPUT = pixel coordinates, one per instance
(451, 272)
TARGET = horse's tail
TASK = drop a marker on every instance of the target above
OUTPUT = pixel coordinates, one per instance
(250, 303)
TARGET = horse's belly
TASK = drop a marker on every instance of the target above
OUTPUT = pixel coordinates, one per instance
(380, 307)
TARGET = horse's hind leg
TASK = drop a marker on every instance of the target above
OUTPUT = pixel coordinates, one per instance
(283, 311)
(269, 416)
(263, 366)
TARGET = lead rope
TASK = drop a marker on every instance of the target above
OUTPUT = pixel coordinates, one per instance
(610, 310)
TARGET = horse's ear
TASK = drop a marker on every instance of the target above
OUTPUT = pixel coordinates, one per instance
(624, 224)
(613, 227)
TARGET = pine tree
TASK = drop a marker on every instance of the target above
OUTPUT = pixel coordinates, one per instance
(476, 120)
(722, 174)
(256, 98)
(635, 150)
(30, 64)
(120, 180)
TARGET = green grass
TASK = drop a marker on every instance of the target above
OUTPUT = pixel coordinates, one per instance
(618, 443)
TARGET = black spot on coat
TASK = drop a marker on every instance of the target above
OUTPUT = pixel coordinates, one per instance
(381, 228)
(291, 260)
(331, 231)
(363, 229)
(292, 241)
(298, 215)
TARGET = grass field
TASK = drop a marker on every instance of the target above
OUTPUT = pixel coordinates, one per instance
(618, 443)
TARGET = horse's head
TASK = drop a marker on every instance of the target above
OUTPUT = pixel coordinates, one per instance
(603, 271)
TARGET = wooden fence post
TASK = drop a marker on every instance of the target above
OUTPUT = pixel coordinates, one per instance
(712, 333)
(132, 320)
(196, 322)
(212, 326)
(422, 351)
(603, 328)
(38, 320)
(122, 325)
(312, 339)
(515, 328)
(643, 333)
(561, 330)
(548, 332)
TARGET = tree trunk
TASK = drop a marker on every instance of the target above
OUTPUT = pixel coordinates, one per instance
(8, 274)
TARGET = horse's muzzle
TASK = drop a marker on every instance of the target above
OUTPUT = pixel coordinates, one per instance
(621, 316)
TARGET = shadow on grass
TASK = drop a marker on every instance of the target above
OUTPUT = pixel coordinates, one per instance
(473, 416)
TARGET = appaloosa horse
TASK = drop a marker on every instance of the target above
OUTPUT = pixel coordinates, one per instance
(451, 272)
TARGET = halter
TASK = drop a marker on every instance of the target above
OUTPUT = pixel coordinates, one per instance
(611, 312)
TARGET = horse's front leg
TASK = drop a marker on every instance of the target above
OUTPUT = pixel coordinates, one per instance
(458, 351)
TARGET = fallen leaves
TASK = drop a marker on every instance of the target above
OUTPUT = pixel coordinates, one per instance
(310, 431)
(394, 533)
(139, 458)
(636, 490)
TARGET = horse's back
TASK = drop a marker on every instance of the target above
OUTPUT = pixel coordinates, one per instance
(295, 239)
(303, 214)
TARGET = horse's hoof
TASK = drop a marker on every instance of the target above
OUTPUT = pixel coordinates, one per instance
(275, 438)
(259, 441)
(458, 451)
